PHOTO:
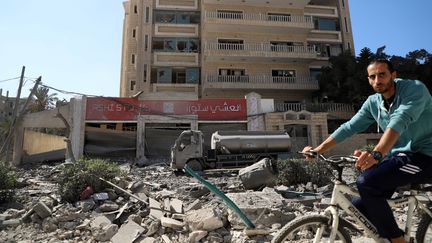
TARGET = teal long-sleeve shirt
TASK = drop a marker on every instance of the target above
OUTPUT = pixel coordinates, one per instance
(410, 115)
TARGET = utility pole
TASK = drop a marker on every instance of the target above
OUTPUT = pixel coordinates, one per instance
(15, 111)
(19, 117)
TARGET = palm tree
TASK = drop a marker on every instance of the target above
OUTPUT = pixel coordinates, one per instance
(42, 100)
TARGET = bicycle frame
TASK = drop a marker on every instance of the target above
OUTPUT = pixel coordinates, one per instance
(339, 200)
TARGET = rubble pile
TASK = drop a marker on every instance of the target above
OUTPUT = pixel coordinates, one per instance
(153, 204)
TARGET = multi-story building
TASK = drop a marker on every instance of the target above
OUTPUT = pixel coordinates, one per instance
(191, 49)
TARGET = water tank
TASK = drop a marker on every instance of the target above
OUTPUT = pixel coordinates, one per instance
(239, 142)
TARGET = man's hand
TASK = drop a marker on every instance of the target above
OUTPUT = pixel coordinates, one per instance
(308, 149)
(365, 160)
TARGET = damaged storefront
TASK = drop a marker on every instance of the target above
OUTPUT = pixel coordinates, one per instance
(127, 127)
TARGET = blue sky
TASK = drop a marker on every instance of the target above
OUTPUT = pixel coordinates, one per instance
(75, 45)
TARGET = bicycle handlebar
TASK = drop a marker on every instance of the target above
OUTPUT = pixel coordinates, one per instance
(338, 162)
(335, 159)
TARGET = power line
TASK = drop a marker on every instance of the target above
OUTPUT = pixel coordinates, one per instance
(9, 79)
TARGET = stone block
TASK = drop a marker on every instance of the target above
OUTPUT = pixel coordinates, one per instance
(171, 223)
(128, 233)
(204, 219)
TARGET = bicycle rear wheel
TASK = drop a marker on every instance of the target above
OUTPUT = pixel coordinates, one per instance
(304, 229)
(424, 230)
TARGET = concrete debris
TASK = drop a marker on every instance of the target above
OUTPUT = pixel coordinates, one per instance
(153, 204)
(128, 232)
(262, 173)
(204, 219)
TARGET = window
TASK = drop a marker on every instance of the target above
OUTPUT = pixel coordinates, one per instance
(164, 75)
(229, 14)
(175, 44)
(133, 33)
(177, 17)
(145, 42)
(346, 25)
(132, 85)
(279, 17)
(231, 72)
(343, 3)
(147, 12)
(145, 73)
(232, 75)
(133, 59)
(283, 76)
(135, 9)
(192, 75)
(315, 73)
(326, 24)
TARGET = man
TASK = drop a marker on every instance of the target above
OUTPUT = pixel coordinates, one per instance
(403, 155)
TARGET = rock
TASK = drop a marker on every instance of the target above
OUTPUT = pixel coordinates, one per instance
(154, 212)
(166, 239)
(148, 240)
(171, 223)
(49, 225)
(193, 206)
(42, 210)
(262, 173)
(196, 236)
(100, 221)
(176, 205)
(128, 233)
(153, 228)
(86, 205)
(10, 223)
(253, 232)
(204, 219)
(136, 218)
(107, 232)
(108, 206)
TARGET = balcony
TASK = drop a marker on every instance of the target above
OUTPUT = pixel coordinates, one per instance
(252, 52)
(341, 110)
(259, 82)
(321, 11)
(296, 4)
(175, 58)
(174, 30)
(177, 4)
(261, 23)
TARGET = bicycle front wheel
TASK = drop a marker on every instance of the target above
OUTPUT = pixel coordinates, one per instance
(424, 230)
(304, 229)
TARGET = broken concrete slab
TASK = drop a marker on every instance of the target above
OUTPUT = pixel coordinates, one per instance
(171, 223)
(107, 232)
(176, 205)
(166, 239)
(42, 210)
(196, 236)
(154, 212)
(193, 206)
(262, 173)
(254, 232)
(100, 221)
(266, 207)
(204, 219)
(108, 206)
(148, 240)
(128, 233)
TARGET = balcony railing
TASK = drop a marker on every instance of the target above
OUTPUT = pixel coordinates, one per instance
(261, 82)
(320, 107)
(247, 18)
(260, 49)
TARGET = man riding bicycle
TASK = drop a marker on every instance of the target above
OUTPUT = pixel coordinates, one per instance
(403, 155)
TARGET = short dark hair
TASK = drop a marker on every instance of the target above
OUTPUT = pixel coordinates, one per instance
(383, 60)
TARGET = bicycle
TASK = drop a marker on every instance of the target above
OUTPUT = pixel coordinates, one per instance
(329, 226)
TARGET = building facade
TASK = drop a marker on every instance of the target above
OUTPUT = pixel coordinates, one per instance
(193, 49)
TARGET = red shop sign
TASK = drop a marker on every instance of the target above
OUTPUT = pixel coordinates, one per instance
(125, 109)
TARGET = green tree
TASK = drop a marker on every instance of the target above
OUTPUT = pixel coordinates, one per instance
(42, 100)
